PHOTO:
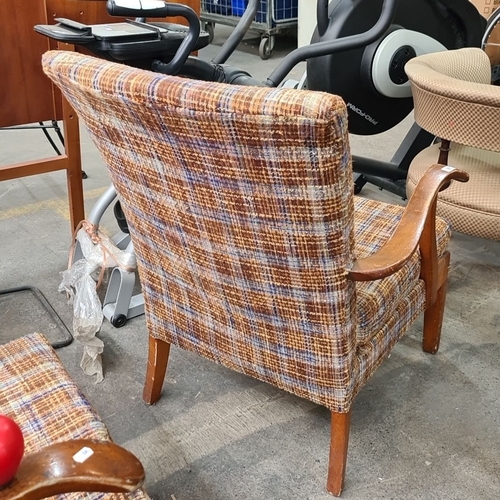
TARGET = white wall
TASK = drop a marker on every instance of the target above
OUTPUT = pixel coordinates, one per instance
(306, 21)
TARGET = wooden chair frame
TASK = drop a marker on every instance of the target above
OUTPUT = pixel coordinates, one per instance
(54, 470)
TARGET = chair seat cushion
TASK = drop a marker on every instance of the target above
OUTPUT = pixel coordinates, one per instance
(472, 207)
(38, 394)
(376, 301)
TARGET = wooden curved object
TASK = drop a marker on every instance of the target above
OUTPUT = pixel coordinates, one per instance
(63, 468)
(418, 220)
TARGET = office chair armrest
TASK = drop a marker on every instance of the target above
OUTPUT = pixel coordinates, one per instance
(64, 468)
(417, 226)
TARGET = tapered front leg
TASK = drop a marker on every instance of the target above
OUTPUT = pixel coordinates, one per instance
(339, 442)
(157, 367)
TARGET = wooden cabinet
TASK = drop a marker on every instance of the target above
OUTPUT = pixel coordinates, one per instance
(27, 96)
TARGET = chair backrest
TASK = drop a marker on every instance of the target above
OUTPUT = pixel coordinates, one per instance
(454, 99)
(239, 203)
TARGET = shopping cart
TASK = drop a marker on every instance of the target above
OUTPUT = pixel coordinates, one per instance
(273, 17)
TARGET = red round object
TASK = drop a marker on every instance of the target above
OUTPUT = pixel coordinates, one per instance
(11, 449)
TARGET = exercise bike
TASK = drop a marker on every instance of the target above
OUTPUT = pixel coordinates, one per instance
(358, 51)
(491, 45)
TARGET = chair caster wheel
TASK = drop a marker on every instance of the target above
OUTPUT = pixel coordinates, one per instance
(118, 321)
(357, 188)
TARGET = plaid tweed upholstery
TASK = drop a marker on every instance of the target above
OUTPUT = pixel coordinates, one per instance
(375, 299)
(239, 202)
(37, 392)
(454, 100)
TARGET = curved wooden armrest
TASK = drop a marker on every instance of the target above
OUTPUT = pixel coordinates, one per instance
(55, 470)
(419, 212)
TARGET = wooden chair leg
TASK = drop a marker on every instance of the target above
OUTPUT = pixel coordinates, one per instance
(433, 316)
(339, 441)
(157, 367)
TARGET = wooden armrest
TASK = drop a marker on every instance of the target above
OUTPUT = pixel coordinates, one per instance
(421, 210)
(56, 469)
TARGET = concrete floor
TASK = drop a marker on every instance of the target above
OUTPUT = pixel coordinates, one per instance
(425, 427)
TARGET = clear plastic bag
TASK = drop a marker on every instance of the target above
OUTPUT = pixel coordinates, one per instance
(87, 320)
(99, 253)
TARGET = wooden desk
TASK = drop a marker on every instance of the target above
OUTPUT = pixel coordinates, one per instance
(28, 96)
(69, 161)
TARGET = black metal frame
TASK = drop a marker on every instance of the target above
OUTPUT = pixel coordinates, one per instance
(43, 127)
(391, 175)
(68, 337)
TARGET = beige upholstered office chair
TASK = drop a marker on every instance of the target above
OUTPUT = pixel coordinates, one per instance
(251, 248)
(455, 101)
(57, 424)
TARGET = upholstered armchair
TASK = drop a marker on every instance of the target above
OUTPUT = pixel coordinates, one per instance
(455, 101)
(59, 428)
(252, 250)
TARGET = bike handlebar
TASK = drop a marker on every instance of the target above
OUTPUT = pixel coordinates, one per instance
(238, 33)
(123, 8)
(138, 8)
(334, 46)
